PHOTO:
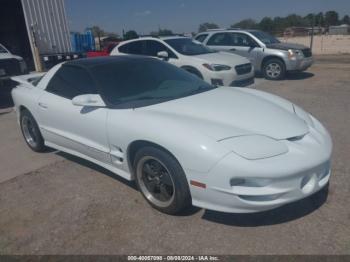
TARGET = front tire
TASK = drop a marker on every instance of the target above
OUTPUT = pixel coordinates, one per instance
(274, 69)
(161, 180)
(31, 132)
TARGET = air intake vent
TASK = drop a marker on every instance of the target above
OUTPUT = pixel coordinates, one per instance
(243, 69)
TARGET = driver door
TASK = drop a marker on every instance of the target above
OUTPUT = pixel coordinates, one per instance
(244, 45)
(70, 127)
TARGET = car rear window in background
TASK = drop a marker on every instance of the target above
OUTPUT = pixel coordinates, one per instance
(134, 48)
(70, 81)
(201, 38)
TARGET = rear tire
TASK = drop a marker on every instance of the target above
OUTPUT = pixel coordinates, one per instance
(274, 69)
(161, 180)
(31, 132)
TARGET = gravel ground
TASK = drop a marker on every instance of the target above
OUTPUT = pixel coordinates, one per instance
(64, 205)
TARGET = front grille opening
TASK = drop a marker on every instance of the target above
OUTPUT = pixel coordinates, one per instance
(307, 52)
(295, 138)
(243, 69)
(261, 198)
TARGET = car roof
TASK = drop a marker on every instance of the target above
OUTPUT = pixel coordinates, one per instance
(103, 60)
(229, 30)
(172, 37)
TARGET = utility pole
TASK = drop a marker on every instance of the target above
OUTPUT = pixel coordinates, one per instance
(312, 32)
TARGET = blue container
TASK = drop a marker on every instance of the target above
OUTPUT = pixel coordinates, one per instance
(83, 42)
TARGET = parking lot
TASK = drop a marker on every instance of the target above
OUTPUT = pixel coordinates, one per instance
(53, 203)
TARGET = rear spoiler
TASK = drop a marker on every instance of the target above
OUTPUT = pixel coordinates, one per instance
(27, 79)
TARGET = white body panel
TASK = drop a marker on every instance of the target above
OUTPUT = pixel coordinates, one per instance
(280, 151)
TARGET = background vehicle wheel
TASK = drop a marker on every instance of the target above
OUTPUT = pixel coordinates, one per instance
(274, 69)
(31, 132)
(161, 180)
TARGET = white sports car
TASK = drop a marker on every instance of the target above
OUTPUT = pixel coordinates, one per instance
(183, 140)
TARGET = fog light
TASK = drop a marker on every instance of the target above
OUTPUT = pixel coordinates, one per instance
(217, 82)
(308, 184)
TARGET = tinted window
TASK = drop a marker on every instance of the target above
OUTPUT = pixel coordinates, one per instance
(239, 39)
(265, 37)
(134, 48)
(71, 81)
(223, 39)
(201, 38)
(186, 46)
(153, 47)
(139, 82)
(2, 49)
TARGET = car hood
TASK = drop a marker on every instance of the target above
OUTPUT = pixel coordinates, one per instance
(286, 46)
(228, 112)
(223, 58)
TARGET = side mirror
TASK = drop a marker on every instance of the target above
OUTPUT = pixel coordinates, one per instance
(88, 100)
(163, 55)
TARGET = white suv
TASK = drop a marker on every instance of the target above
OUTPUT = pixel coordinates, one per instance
(217, 68)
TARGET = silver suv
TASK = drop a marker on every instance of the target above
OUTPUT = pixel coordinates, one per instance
(268, 55)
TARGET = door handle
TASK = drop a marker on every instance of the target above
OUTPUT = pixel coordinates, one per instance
(42, 105)
(233, 49)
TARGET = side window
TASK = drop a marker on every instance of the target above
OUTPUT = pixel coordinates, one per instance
(70, 81)
(242, 40)
(220, 39)
(134, 48)
(153, 47)
(201, 38)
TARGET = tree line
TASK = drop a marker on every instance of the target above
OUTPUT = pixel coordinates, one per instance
(279, 24)
(269, 24)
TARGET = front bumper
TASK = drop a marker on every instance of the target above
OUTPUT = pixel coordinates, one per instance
(270, 182)
(230, 78)
(299, 64)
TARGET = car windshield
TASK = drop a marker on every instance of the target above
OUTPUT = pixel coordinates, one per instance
(2, 49)
(187, 46)
(139, 82)
(265, 37)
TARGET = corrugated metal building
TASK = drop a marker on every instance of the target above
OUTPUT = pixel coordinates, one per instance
(47, 20)
(36, 30)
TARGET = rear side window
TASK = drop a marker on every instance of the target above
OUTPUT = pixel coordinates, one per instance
(70, 81)
(201, 38)
(134, 48)
(221, 39)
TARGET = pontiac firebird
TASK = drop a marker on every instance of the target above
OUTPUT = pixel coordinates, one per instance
(182, 140)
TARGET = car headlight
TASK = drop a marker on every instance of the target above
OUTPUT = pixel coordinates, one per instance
(253, 147)
(292, 53)
(217, 67)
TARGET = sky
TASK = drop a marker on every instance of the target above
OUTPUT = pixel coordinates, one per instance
(184, 16)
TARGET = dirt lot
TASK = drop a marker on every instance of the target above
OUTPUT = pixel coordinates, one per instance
(56, 204)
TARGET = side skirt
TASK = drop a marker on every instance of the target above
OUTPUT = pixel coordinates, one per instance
(111, 168)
